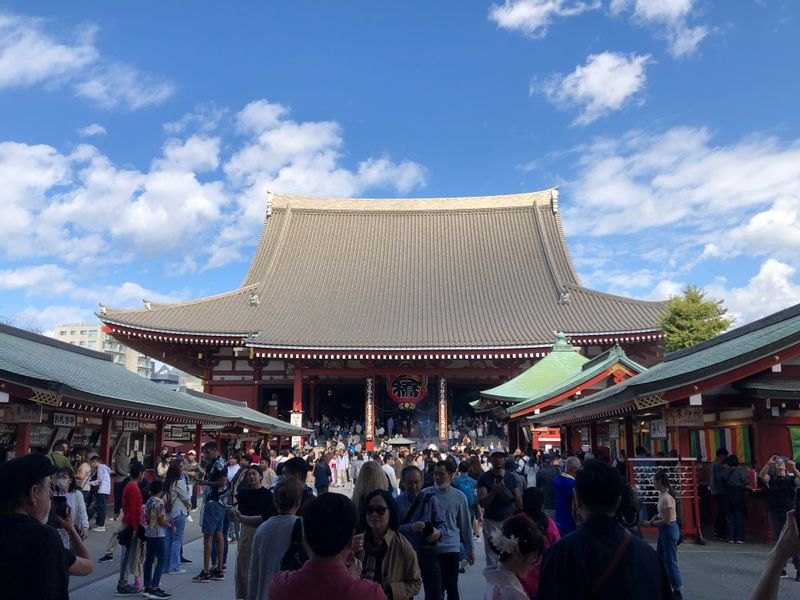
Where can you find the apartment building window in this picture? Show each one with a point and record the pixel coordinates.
(92, 344)
(82, 343)
(83, 332)
(93, 333)
(62, 333)
(72, 332)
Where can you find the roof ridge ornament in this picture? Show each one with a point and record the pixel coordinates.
(254, 300)
(563, 297)
(269, 203)
(554, 200)
(147, 304)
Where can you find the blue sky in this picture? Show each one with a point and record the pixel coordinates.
(137, 140)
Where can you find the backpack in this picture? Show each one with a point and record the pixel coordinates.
(296, 555)
(467, 487)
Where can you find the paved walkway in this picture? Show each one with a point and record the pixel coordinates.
(717, 571)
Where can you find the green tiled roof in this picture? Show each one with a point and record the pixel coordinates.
(563, 362)
(590, 369)
(721, 354)
(82, 374)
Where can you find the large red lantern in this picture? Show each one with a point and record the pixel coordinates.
(406, 389)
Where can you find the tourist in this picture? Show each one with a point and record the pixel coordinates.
(177, 502)
(322, 476)
(101, 482)
(387, 557)
(155, 535)
(422, 523)
(371, 477)
(717, 490)
(67, 488)
(735, 484)
(122, 466)
(500, 498)
(33, 560)
(550, 469)
(458, 528)
(58, 455)
(621, 464)
(272, 539)
(532, 500)
(194, 472)
(342, 468)
(162, 466)
(563, 487)
(388, 468)
(518, 545)
(466, 484)
(782, 479)
(328, 526)
(252, 498)
(528, 467)
(621, 565)
(131, 517)
(512, 467)
(83, 478)
(269, 475)
(214, 485)
(787, 546)
(669, 533)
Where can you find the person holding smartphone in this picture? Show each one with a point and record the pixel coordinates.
(782, 479)
(500, 498)
(68, 498)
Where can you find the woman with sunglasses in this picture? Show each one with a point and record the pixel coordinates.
(387, 557)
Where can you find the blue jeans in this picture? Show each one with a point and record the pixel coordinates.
(735, 519)
(225, 525)
(667, 549)
(175, 543)
(100, 516)
(156, 550)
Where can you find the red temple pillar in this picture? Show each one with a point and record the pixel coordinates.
(297, 404)
(369, 414)
(198, 440)
(23, 439)
(593, 437)
(629, 445)
(443, 411)
(312, 400)
(105, 440)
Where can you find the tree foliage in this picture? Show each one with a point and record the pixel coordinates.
(692, 318)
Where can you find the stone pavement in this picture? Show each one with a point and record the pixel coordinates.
(717, 571)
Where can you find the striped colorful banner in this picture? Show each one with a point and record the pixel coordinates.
(736, 440)
(672, 439)
(658, 445)
(794, 438)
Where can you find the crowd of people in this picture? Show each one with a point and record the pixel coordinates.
(550, 526)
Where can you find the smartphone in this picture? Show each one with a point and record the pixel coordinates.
(59, 506)
(428, 529)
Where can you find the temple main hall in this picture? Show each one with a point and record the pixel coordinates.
(369, 308)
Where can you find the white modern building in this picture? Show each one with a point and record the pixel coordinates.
(92, 336)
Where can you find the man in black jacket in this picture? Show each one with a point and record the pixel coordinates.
(601, 559)
(544, 481)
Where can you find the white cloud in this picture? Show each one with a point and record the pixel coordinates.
(608, 82)
(669, 18)
(772, 289)
(533, 17)
(47, 318)
(91, 130)
(115, 84)
(774, 231)
(127, 295)
(38, 279)
(665, 289)
(681, 179)
(30, 54)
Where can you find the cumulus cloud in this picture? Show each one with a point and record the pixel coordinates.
(32, 52)
(774, 287)
(607, 82)
(92, 130)
(46, 318)
(533, 17)
(669, 18)
(37, 279)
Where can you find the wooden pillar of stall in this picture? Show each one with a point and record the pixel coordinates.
(593, 436)
(23, 439)
(198, 440)
(312, 400)
(629, 445)
(158, 442)
(105, 440)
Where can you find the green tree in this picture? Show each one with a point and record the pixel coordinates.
(692, 318)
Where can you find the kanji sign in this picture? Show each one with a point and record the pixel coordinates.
(407, 388)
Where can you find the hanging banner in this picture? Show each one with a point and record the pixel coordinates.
(613, 430)
(703, 443)
(794, 438)
(296, 419)
(407, 388)
(130, 425)
(17, 413)
(442, 410)
(369, 410)
(64, 420)
(658, 429)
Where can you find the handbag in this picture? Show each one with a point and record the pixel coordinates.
(296, 555)
(125, 536)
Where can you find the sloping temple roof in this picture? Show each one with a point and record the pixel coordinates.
(442, 273)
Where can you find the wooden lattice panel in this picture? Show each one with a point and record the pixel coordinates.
(44, 397)
(650, 401)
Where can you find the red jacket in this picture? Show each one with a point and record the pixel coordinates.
(132, 505)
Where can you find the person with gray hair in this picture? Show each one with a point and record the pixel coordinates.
(563, 490)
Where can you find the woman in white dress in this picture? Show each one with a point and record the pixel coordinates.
(519, 543)
(67, 486)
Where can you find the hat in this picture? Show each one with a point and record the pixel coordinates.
(191, 452)
(498, 451)
(19, 474)
(93, 455)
